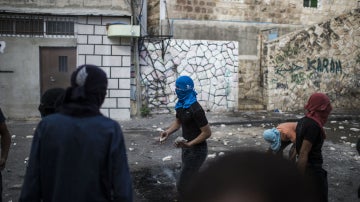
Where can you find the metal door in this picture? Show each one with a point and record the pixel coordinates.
(56, 67)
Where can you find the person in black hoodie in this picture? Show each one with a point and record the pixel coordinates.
(79, 155)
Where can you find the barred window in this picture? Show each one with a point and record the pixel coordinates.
(60, 28)
(311, 3)
(29, 26)
(35, 25)
(63, 64)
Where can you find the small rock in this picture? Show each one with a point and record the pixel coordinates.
(221, 153)
(343, 137)
(131, 149)
(29, 136)
(211, 156)
(222, 125)
(355, 129)
(230, 134)
(159, 129)
(353, 145)
(333, 121)
(13, 136)
(341, 127)
(167, 158)
(258, 143)
(332, 149)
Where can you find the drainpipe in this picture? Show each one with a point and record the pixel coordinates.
(135, 42)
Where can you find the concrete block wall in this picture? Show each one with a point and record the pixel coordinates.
(113, 55)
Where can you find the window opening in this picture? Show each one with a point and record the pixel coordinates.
(59, 28)
(34, 25)
(311, 3)
(63, 67)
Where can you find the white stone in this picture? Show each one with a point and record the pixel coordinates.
(355, 129)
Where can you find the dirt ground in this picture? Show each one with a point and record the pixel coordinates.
(155, 166)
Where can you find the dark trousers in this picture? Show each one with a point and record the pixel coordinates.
(192, 159)
(319, 177)
(1, 187)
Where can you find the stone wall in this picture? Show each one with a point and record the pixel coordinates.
(213, 65)
(322, 58)
(275, 11)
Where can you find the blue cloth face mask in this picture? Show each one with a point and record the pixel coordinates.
(185, 92)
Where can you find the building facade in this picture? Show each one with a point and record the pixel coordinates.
(43, 41)
(253, 24)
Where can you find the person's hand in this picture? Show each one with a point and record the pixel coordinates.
(182, 144)
(2, 163)
(163, 136)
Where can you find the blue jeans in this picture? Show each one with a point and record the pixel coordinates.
(192, 159)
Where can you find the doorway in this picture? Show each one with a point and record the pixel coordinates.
(56, 67)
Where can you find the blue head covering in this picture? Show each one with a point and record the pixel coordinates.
(185, 92)
(273, 137)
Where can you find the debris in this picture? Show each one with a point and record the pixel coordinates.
(154, 126)
(162, 139)
(248, 125)
(13, 136)
(14, 143)
(353, 145)
(355, 129)
(159, 129)
(29, 136)
(332, 149)
(225, 142)
(343, 137)
(180, 139)
(211, 156)
(333, 121)
(221, 154)
(230, 133)
(258, 143)
(131, 149)
(341, 127)
(222, 125)
(167, 158)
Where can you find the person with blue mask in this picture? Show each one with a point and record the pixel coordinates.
(190, 116)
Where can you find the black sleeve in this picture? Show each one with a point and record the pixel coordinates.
(200, 118)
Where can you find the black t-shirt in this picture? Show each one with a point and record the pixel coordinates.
(192, 119)
(2, 117)
(309, 130)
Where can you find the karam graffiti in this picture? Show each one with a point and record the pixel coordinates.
(298, 75)
(325, 65)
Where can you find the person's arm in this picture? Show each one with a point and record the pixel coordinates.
(205, 134)
(174, 126)
(5, 144)
(303, 155)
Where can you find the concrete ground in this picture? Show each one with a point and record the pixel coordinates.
(155, 166)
